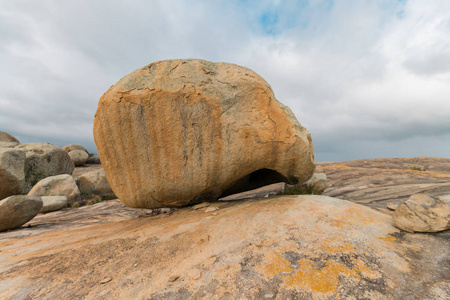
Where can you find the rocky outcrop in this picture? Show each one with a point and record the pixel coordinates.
(287, 247)
(422, 213)
(17, 210)
(181, 131)
(78, 157)
(6, 137)
(53, 203)
(94, 182)
(59, 185)
(44, 160)
(12, 175)
(386, 181)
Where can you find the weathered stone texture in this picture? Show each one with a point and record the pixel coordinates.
(17, 210)
(44, 160)
(12, 175)
(182, 131)
(59, 185)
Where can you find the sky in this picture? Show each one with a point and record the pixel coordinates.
(367, 78)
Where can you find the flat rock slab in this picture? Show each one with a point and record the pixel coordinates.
(378, 182)
(285, 247)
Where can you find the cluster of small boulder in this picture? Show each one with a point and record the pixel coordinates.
(37, 178)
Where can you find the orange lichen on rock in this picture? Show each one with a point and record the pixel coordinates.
(275, 264)
(324, 280)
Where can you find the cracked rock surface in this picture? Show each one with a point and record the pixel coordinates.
(177, 132)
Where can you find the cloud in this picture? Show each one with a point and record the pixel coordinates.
(360, 75)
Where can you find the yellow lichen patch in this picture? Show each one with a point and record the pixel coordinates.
(324, 281)
(336, 223)
(334, 246)
(274, 264)
(389, 239)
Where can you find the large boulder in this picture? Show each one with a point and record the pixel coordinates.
(6, 137)
(78, 157)
(17, 210)
(12, 175)
(59, 185)
(422, 213)
(44, 160)
(183, 131)
(94, 182)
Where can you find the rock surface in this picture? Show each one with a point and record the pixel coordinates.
(182, 131)
(53, 203)
(422, 213)
(320, 248)
(17, 210)
(12, 174)
(78, 157)
(59, 185)
(6, 137)
(379, 182)
(94, 182)
(44, 160)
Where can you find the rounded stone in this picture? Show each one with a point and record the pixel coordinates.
(17, 210)
(184, 131)
(78, 157)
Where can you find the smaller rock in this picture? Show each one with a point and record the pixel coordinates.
(174, 278)
(145, 213)
(78, 157)
(44, 160)
(392, 206)
(94, 182)
(164, 210)
(17, 210)
(422, 213)
(59, 185)
(53, 203)
(201, 205)
(6, 137)
(105, 280)
(268, 296)
(211, 208)
(73, 147)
